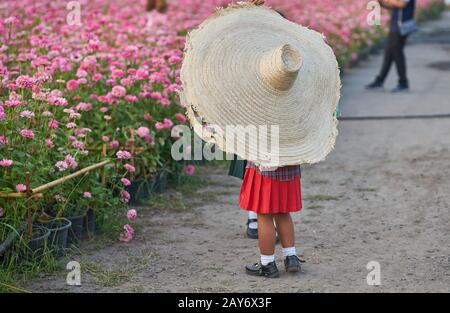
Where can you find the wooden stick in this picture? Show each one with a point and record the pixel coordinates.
(138, 149)
(104, 151)
(15, 195)
(73, 175)
(132, 132)
(37, 192)
(30, 215)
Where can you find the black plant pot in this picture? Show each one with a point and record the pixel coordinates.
(88, 225)
(76, 230)
(59, 230)
(140, 190)
(160, 181)
(38, 241)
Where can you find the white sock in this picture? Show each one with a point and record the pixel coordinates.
(252, 216)
(289, 251)
(266, 259)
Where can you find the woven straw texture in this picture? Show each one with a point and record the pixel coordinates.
(247, 66)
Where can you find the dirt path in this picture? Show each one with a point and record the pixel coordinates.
(382, 195)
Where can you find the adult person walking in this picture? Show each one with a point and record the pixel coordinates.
(401, 25)
(158, 5)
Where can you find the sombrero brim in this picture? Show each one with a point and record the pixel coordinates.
(228, 81)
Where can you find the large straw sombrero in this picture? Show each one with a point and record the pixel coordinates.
(247, 66)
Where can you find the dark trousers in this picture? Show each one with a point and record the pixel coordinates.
(394, 53)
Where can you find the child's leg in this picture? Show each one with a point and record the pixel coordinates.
(285, 228)
(253, 216)
(266, 234)
(266, 238)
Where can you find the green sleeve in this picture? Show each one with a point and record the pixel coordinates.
(237, 168)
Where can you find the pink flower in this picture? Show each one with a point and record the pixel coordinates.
(156, 95)
(141, 74)
(125, 181)
(118, 91)
(61, 166)
(128, 234)
(72, 84)
(174, 60)
(70, 160)
(27, 133)
(114, 144)
(49, 143)
(105, 138)
(53, 124)
(143, 132)
(130, 168)
(125, 196)
(131, 99)
(3, 140)
(2, 114)
(117, 73)
(123, 155)
(25, 81)
(132, 215)
(21, 188)
(26, 114)
(159, 126)
(76, 144)
(167, 123)
(81, 73)
(84, 106)
(87, 195)
(147, 117)
(181, 118)
(6, 163)
(97, 77)
(189, 170)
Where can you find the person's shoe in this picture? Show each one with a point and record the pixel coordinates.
(400, 88)
(270, 270)
(252, 233)
(292, 264)
(375, 85)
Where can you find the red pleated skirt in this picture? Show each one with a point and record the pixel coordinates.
(264, 195)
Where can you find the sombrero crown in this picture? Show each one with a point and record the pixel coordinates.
(247, 66)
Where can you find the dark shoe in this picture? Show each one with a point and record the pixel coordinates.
(292, 264)
(252, 233)
(375, 85)
(400, 88)
(270, 270)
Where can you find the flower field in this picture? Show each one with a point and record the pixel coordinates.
(78, 89)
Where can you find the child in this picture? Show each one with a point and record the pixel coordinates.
(273, 194)
(294, 84)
